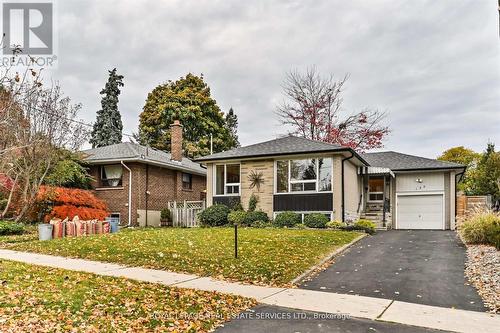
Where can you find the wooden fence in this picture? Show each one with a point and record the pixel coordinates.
(468, 204)
(185, 213)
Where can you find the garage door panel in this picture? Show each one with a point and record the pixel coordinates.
(420, 212)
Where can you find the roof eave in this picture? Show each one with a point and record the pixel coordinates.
(146, 161)
(433, 168)
(228, 158)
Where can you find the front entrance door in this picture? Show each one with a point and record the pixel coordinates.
(376, 189)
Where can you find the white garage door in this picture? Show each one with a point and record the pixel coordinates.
(420, 212)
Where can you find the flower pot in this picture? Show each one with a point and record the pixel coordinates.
(166, 223)
(45, 231)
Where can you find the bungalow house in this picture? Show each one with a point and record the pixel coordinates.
(295, 174)
(137, 182)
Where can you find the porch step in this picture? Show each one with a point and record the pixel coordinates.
(372, 217)
(373, 213)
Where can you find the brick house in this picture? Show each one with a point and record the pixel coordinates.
(137, 182)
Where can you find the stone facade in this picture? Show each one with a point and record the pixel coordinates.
(266, 191)
(162, 184)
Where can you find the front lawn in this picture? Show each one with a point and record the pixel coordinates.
(266, 256)
(40, 299)
(30, 234)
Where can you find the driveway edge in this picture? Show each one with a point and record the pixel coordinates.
(328, 257)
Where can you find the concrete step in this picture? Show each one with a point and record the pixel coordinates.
(372, 217)
(371, 213)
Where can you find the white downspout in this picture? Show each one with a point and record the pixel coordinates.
(129, 193)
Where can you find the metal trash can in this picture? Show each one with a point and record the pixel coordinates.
(45, 231)
(113, 224)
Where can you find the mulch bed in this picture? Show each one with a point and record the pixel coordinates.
(483, 271)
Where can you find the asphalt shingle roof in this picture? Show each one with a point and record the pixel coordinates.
(400, 162)
(282, 146)
(127, 151)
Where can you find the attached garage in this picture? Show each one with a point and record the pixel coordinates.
(420, 211)
(421, 200)
(421, 193)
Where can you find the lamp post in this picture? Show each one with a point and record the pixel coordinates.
(236, 241)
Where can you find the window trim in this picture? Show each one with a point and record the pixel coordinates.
(190, 181)
(377, 193)
(103, 182)
(290, 181)
(214, 173)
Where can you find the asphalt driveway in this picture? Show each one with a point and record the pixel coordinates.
(417, 266)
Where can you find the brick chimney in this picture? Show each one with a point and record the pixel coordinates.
(176, 141)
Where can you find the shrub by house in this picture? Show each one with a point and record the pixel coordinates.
(59, 202)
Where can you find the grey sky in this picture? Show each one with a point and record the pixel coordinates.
(432, 65)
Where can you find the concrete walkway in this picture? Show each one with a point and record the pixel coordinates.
(309, 300)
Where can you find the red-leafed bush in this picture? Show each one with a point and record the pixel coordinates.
(59, 202)
(70, 211)
(71, 196)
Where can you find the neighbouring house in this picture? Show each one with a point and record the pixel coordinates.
(137, 182)
(392, 189)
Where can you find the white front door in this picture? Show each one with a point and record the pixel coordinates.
(422, 211)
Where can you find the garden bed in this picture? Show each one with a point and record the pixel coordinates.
(268, 256)
(40, 299)
(482, 269)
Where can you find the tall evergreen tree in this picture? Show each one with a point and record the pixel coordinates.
(232, 126)
(108, 127)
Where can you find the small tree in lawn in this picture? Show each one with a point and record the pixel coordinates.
(313, 108)
(108, 126)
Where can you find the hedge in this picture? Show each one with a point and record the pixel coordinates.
(214, 216)
(287, 219)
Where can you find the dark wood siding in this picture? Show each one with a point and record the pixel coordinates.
(304, 202)
(228, 201)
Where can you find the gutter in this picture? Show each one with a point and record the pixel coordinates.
(426, 169)
(207, 159)
(342, 182)
(129, 193)
(150, 162)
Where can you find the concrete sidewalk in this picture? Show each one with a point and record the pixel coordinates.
(309, 300)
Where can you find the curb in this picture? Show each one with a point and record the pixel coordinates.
(328, 257)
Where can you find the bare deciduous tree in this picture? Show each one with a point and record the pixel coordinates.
(313, 108)
(36, 122)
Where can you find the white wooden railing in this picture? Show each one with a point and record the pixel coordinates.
(185, 213)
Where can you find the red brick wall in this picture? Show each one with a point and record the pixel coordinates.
(163, 184)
